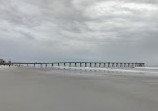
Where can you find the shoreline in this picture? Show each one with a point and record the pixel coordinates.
(143, 71)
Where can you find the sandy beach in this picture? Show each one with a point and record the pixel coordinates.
(29, 89)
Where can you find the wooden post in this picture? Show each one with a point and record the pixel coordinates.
(75, 64)
(120, 64)
(112, 64)
(70, 64)
(52, 65)
(135, 64)
(90, 64)
(104, 64)
(124, 64)
(108, 64)
(85, 64)
(64, 64)
(116, 64)
(99, 64)
(41, 65)
(132, 65)
(95, 64)
(128, 64)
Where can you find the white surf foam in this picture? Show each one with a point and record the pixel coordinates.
(148, 72)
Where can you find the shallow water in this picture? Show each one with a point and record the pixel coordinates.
(51, 89)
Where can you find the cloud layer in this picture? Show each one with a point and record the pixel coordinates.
(79, 30)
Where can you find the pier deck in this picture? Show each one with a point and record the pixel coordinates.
(81, 64)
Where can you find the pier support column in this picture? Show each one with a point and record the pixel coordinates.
(80, 64)
(112, 64)
(41, 65)
(99, 64)
(70, 64)
(104, 64)
(85, 64)
(128, 64)
(58, 64)
(132, 65)
(64, 64)
(108, 64)
(34, 65)
(27, 65)
(142, 65)
(95, 64)
(137, 65)
(52, 65)
(124, 64)
(75, 64)
(116, 64)
(46, 65)
(120, 64)
(90, 64)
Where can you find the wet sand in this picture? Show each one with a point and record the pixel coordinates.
(28, 89)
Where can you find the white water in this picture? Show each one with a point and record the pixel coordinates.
(145, 71)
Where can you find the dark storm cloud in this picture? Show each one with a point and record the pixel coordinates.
(89, 30)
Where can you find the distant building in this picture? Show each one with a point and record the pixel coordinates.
(2, 62)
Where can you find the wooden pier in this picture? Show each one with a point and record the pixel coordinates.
(81, 64)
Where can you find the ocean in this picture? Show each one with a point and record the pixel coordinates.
(78, 89)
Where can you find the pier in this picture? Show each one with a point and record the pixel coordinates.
(81, 64)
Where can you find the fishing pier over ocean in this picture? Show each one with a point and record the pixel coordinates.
(78, 64)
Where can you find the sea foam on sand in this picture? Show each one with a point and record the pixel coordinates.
(86, 89)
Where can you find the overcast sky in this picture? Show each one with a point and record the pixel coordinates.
(79, 30)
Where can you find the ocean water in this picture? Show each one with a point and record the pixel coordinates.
(151, 71)
(78, 89)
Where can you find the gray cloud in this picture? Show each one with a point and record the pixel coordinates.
(81, 30)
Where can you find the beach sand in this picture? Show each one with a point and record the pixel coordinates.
(29, 89)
